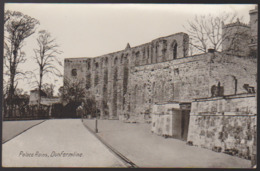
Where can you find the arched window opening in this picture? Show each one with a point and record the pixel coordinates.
(74, 72)
(144, 94)
(122, 59)
(143, 53)
(89, 66)
(135, 95)
(115, 61)
(137, 54)
(175, 51)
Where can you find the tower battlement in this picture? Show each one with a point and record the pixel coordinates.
(237, 23)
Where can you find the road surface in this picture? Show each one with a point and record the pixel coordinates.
(145, 149)
(58, 143)
(14, 128)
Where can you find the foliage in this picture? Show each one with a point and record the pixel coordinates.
(48, 89)
(72, 91)
(17, 27)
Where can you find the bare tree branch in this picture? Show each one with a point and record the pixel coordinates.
(206, 31)
(46, 57)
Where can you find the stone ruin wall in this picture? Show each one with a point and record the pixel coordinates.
(112, 78)
(233, 73)
(227, 123)
(185, 79)
(240, 38)
(254, 27)
(107, 76)
(224, 124)
(178, 80)
(236, 38)
(124, 87)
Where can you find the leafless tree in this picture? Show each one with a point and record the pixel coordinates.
(206, 31)
(46, 57)
(17, 27)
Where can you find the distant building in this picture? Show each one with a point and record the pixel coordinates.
(34, 96)
(48, 101)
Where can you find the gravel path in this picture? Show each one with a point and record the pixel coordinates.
(145, 149)
(57, 143)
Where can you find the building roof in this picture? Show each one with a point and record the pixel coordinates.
(42, 92)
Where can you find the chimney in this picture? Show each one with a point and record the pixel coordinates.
(211, 50)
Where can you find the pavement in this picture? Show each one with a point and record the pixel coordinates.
(58, 143)
(145, 149)
(10, 129)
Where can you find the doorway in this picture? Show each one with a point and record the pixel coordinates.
(180, 123)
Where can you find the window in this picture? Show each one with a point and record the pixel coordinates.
(125, 59)
(115, 61)
(175, 51)
(89, 66)
(122, 58)
(88, 81)
(74, 72)
(176, 71)
(137, 54)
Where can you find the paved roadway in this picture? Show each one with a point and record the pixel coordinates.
(14, 128)
(58, 143)
(145, 149)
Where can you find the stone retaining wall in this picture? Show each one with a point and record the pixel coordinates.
(231, 132)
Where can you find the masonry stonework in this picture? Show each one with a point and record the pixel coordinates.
(207, 99)
(224, 124)
(108, 77)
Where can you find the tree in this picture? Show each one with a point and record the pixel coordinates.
(206, 32)
(17, 28)
(7, 16)
(48, 89)
(60, 91)
(45, 56)
(73, 91)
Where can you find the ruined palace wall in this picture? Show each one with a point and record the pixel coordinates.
(236, 38)
(178, 80)
(79, 65)
(107, 76)
(233, 73)
(224, 124)
(131, 80)
(185, 79)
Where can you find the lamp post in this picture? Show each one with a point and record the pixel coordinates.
(96, 129)
(96, 106)
(96, 125)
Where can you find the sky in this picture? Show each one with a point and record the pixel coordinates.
(90, 30)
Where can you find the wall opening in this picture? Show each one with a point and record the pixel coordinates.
(115, 93)
(175, 51)
(125, 83)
